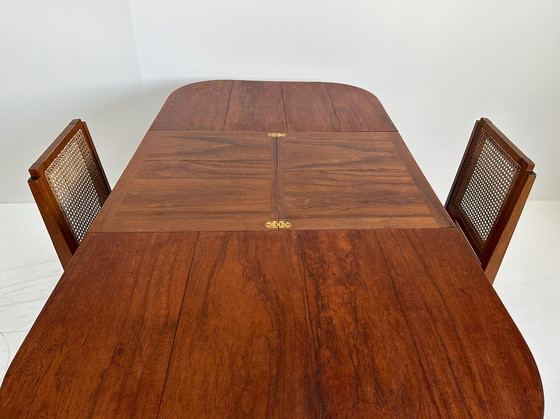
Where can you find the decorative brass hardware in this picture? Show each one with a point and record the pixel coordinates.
(278, 224)
(276, 134)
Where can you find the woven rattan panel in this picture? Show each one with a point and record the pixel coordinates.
(489, 176)
(77, 185)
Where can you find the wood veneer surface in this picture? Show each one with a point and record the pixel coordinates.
(232, 105)
(370, 323)
(195, 181)
(101, 345)
(238, 181)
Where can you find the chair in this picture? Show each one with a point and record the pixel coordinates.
(489, 193)
(69, 186)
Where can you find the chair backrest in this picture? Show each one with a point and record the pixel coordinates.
(489, 193)
(69, 186)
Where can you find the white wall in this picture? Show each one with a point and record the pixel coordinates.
(60, 60)
(436, 66)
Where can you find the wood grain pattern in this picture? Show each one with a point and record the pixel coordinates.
(357, 109)
(234, 181)
(256, 107)
(262, 106)
(195, 181)
(353, 180)
(243, 345)
(195, 196)
(340, 151)
(101, 346)
(367, 366)
(421, 182)
(407, 325)
(475, 359)
(371, 323)
(309, 107)
(333, 107)
(206, 146)
(197, 106)
(357, 199)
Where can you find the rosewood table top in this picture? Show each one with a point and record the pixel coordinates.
(273, 250)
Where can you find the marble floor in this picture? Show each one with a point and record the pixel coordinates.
(528, 284)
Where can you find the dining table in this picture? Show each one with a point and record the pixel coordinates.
(273, 250)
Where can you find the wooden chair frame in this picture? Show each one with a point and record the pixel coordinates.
(61, 233)
(500, 235)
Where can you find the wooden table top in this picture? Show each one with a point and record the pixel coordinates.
(180, 302)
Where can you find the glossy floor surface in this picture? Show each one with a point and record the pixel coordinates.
(528, 284)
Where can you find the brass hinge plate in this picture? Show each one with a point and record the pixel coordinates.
(276, 134)
(278, 224)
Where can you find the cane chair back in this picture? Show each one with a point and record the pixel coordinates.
(69, 187)
(489, 193)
